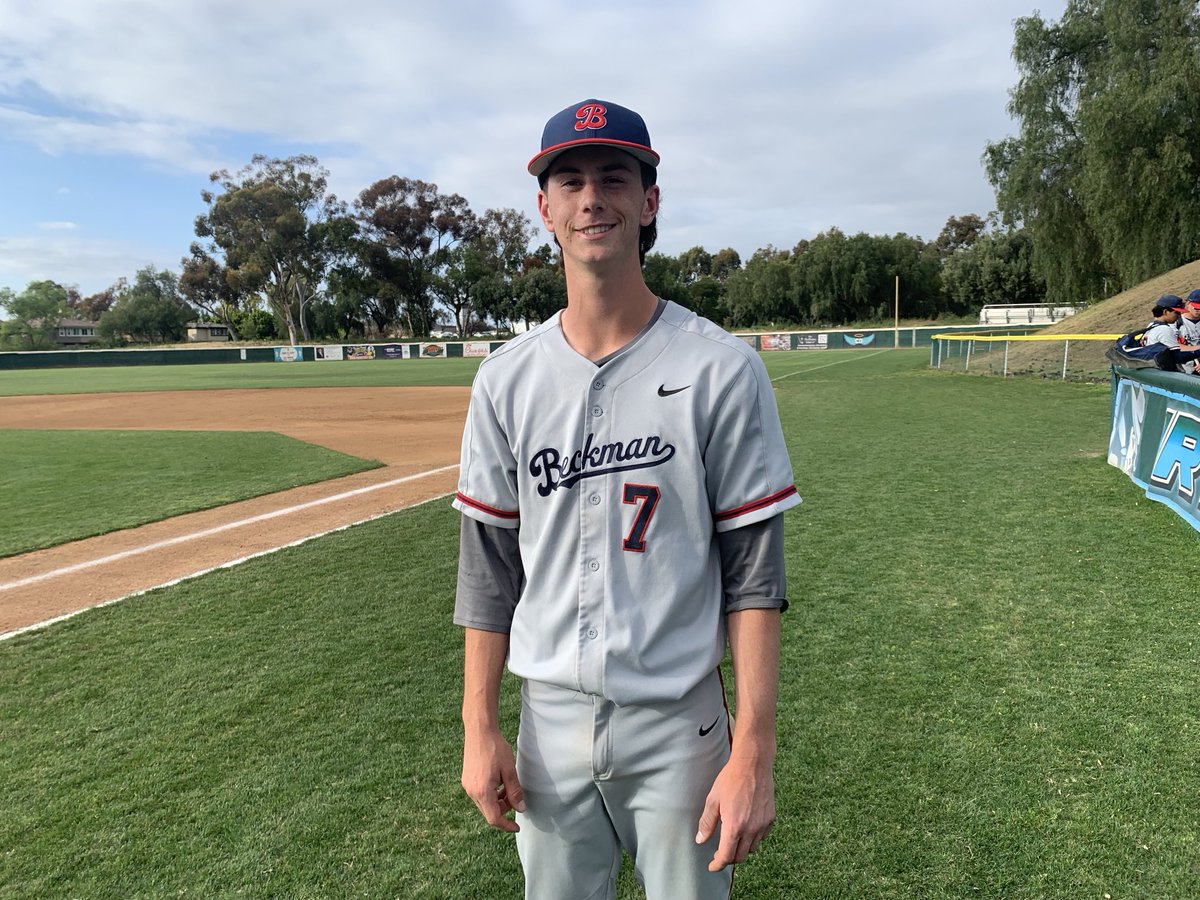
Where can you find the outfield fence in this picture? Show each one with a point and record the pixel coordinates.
(810, 340)
(1065, 356)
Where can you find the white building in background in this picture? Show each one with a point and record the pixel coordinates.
(1024, 314)
(72, 332)
(207, 331)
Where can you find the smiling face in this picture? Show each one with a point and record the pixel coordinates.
(594, 203)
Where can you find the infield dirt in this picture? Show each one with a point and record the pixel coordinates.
(414, 432)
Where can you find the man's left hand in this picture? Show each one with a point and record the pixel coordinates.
(742, 800)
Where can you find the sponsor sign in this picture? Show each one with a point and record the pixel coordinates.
(1155, 440)
(812, 342)
(392, 351)
(859, 339)
(431, 351)
(360, 351)
(289, 354)
(476, 348)
(334, 352)
(775, 341)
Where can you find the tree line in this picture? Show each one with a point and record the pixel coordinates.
(277, 257)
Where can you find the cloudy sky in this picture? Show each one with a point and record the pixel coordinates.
(776, 119)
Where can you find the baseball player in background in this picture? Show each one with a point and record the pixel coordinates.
(622, 483)
(1189, 326)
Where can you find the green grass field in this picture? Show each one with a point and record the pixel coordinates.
(988, 688)
(59, 486)
(211, 376)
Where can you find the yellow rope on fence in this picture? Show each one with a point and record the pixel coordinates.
(1026, 337)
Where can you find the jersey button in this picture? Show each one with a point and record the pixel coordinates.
(597, 411)
(594, 566)
(595, 498)
(598, 385)
(592, 633)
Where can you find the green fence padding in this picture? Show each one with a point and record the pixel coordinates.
(1154, 436)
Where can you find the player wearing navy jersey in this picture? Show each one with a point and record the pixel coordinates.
(623, 475)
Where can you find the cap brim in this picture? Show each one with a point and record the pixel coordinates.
(542, 161)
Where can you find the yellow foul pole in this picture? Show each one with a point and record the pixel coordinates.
(896, 339)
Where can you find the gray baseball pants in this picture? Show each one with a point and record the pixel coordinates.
(600, 777)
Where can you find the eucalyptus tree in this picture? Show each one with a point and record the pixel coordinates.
(150, 310)
(407, 230)
(270, 222)
(205, 282)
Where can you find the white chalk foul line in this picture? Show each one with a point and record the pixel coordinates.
(225, 565)
(838, 362)
(208, 532)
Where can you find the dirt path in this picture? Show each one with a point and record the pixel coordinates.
(415, 432)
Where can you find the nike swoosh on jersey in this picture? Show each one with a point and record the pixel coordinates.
(704, 731)
(663, 392)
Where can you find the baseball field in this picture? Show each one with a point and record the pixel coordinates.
(990, 665)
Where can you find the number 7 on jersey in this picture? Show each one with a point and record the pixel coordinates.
(645, 496)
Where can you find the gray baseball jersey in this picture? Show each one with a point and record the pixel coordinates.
(1189, 331)
(618, 478)
(1164, 333)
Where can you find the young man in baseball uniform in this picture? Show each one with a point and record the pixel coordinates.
(623, 475)
(1189, 326)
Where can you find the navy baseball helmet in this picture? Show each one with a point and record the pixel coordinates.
(593, 122)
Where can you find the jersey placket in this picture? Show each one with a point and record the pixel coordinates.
(593, 544)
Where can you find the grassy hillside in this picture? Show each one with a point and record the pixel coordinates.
(1118, 314)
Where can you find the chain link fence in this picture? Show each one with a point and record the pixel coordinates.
(1078, 357)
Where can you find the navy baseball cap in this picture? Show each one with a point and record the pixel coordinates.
(593, 122)
(1169, 301)
(1194, 297)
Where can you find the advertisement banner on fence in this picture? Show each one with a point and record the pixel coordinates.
(360, 351)
(331, 352)
(393, 351)
(1155, 440)
(289, 354)
(775, 341)
(432, 351)
(812, 342)
(476, 348)
(859, 339)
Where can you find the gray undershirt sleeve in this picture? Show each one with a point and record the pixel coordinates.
(490, 576)
(752, 568)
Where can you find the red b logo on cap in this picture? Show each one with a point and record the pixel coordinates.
(590, 116)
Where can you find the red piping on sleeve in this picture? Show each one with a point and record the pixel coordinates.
(756, 504)
(483, 507)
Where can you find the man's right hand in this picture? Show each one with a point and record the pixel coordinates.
(489, 776)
